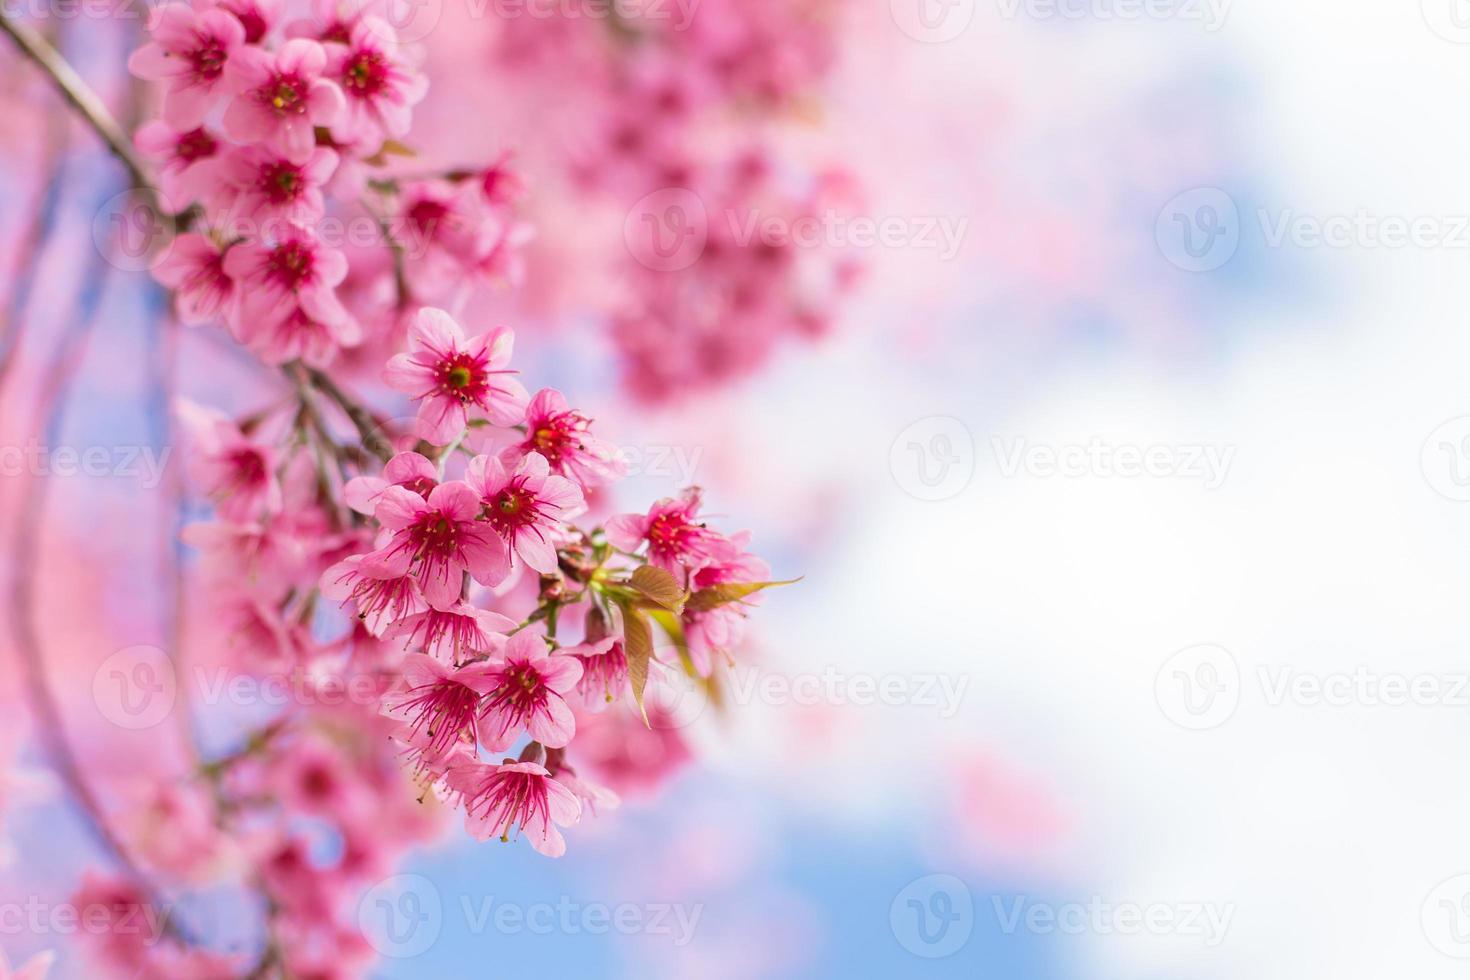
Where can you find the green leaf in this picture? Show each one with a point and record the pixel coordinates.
(659, 586)
(718, 595)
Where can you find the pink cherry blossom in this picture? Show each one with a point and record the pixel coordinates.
(451, 377)
(280, 98)
(718, 630)
(562, 435)
(271, 187)
(258, 17)
(604, 671)
(454, 633)
(410, 470)
(274, 280)
(516, 797)
(188, 160)
(234, 470)
(382, 597)
(299, 337)
(380, 89)
(191, 51)
(675, 536)
(437, 540)
(525, 505)
(527, 694)
(440, 703)
(194, 269)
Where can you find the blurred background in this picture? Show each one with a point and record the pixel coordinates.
(1129, 483)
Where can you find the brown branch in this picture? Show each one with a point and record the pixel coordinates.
(81, 97)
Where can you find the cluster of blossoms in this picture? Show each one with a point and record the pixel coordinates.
(455, 617)
(692, 97)
(275, 147)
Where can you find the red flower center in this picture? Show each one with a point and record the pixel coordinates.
(513, 508)
(207, 61)
(196, 144)
(366, 74)
(281, 182)
(463, 377)
(434, 535)
(285, 95)
(290, 264)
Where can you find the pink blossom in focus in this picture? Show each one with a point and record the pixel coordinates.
(516, 797)
(451, 377)
(527, 694)
(525, 505)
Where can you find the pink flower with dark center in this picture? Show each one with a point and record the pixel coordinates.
(281, 98)
(525, 506)
(382, 597)
(195, 270)
(516, 796)
(275, 279)
(379, 87)
(453, 634)
(453, 378)
(501, 184)
(527, 694)
(299, 336)
(437, 540)
(444, 233)
(561, 434)
(235, 471)
(190, 50)
(188, 161)
(676, 538)
(272, 187)
(408, 470)
(604, 671)
(440, 704)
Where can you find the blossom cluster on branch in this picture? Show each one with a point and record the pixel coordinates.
(464, 622)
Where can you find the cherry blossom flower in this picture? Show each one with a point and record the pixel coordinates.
(525, 505)
(675, 536)
(194, 269)
(516, 797)
(604, 671)
(188, 160)
(410, 470)
(379, 87)
(450, 634)
(438, 540)
(273, 187)
(234, 470)
(382, 596)
(299, 336)
(527, 694)
(561, 434)
(440, 702)
(281, 97)
(451, 377)
(258, 17)
(275, 279)
(720, 629)
(190, 50)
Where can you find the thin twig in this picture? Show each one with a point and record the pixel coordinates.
(82, 98)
